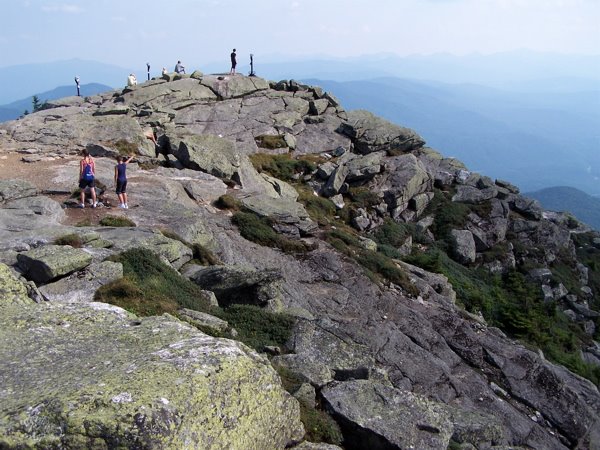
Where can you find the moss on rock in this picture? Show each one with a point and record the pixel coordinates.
(95, 376)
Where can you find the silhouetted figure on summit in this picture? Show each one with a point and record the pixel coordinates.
(233, 62)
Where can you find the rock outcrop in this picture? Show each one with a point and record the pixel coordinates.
(91, 375)
(384, 346)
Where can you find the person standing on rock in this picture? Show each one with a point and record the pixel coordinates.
(233, 62)
(179, 68)
(121, 180)
(87, 178)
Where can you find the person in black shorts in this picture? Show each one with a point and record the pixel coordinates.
(233, 63)
(121, 180)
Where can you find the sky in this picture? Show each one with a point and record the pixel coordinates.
(132, 32)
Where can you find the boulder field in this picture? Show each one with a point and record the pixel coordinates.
(395, 359)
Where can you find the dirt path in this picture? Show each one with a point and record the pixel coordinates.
(42, 174)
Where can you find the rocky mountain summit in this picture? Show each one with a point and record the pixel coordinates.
(408, 302)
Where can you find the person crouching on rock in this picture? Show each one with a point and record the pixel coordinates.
(87, 171)
(121, 180)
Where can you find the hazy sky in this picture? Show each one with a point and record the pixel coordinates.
(131, 32)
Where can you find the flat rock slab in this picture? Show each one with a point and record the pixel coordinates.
(46, 263)
(94, 376)
(385, 417)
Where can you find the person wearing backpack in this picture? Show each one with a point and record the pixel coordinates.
(87, 171)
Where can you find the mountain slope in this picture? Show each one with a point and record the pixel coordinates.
(15, 109)
(407, 283)
(535, 139)
(26, 79)
(563, 198)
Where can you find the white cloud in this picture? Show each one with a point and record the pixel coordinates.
(63, 8)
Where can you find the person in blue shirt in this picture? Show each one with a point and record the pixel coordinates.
(121, 180)
(179, 68)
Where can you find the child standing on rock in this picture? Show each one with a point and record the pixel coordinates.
(121, 180)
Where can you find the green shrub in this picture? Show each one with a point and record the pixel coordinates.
(321, 210)
(270, 141)
(257, 327)
(382, 266)
(515, 305)
(150, 286)
(320, 426)
(73, 239)
(125, 148)
(228, 202)
(116, 221)
(448, 215)
(283, 167)
(391, 233)
(259, 230)
(363, 197)
(204, 256)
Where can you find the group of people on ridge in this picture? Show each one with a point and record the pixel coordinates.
(180, 69)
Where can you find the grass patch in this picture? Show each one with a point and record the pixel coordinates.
(259, 230)
(228, 202)
(125, 148)
(116, 221)
(257, 327)
(378, 265)
(84, 223)
(270, 141)
(319, 426)
(448, 215)
(283, 167)
(321, 210)
(204, 256)
(150, 287)
(200, 254)
(363, 197)
(72, 239)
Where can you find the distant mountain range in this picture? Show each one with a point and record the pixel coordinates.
(533, 139)
(15, 109)
(563, 198)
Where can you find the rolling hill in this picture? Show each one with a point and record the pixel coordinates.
(563, 198)
(15, 109)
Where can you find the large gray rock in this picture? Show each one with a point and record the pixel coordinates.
(12, 290)
(172, 251)
(378, 416)
(235, 86)
(208, 153)
(81, 286)
(52, 261)
(238, 284)
(282, 210)
(463, 246)
(139, 382)
(403, 179)
(14, 189)
(371, 134)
